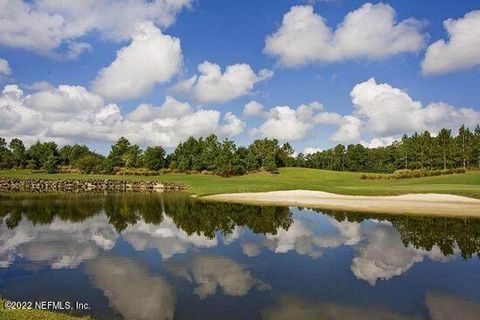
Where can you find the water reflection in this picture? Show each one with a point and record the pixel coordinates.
(156, 256)
(212, 272)
(131, 289)
(296, 308)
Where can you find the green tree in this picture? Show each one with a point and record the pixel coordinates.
(44, 155)
(225, 160)
(51, 164)
(117, 154)
(91, 163)
(266, 153)
(5, 155)
(477, 144)
(209, 149)
(154, 158)
(69, 154)
(464, 145)
(188, 155)
(19, 155)
(445, 142)
(133, 157)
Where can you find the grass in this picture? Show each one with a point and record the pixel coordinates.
(467, 184)
(8, 314)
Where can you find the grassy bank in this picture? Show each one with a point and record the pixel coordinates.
(467, 184)
(8, 314)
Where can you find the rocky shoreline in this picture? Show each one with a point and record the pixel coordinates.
(89, 185)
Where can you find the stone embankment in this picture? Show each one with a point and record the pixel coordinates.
(90, 185)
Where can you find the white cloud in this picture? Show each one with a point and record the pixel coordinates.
(212, 272)
(131, 289)
(233, 126)
(384, 111)
(462, 49)
(171, 108)
(252, 109)
(348, 131)
(72, 113)
(151, 58)
(5, 68)
(285, 123)
(378, 142)
(370, 32)
(53, 27)
(310, 150)
(213, 86)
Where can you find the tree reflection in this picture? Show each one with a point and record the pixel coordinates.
(207, 218)
(193, 216)
(426, 232)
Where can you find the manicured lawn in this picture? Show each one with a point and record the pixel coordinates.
(296, 178)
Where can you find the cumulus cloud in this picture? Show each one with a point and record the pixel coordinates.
(283, 123)
(131, 289)
(233, 125)
(287, 123)
(385, 111)
(462, 49)
(311, 150)
(213, 86)
(252, 109)
(370, 32)
(54, 28)
(380, 114)
(72, 113)
(212, 272)
(5, 68)
(151, 58)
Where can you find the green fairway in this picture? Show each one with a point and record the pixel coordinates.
(295, 178)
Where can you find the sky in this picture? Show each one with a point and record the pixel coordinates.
(313, 73)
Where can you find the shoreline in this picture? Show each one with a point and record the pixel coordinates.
(428, 204)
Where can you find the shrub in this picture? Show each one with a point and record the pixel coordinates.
(90, 164)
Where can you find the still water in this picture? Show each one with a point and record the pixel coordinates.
(151, 256)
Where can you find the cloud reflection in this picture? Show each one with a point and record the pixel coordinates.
(61, 244)
(212, 272)
(166, 237)
(131, 289)
(379, 252)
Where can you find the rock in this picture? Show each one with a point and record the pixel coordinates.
(89, 185)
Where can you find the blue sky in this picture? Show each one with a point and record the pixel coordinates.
(400, 97)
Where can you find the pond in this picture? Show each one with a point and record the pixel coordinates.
(165, 256)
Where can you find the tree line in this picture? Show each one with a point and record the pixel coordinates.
(417, 151)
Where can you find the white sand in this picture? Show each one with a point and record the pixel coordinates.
(424, 204)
